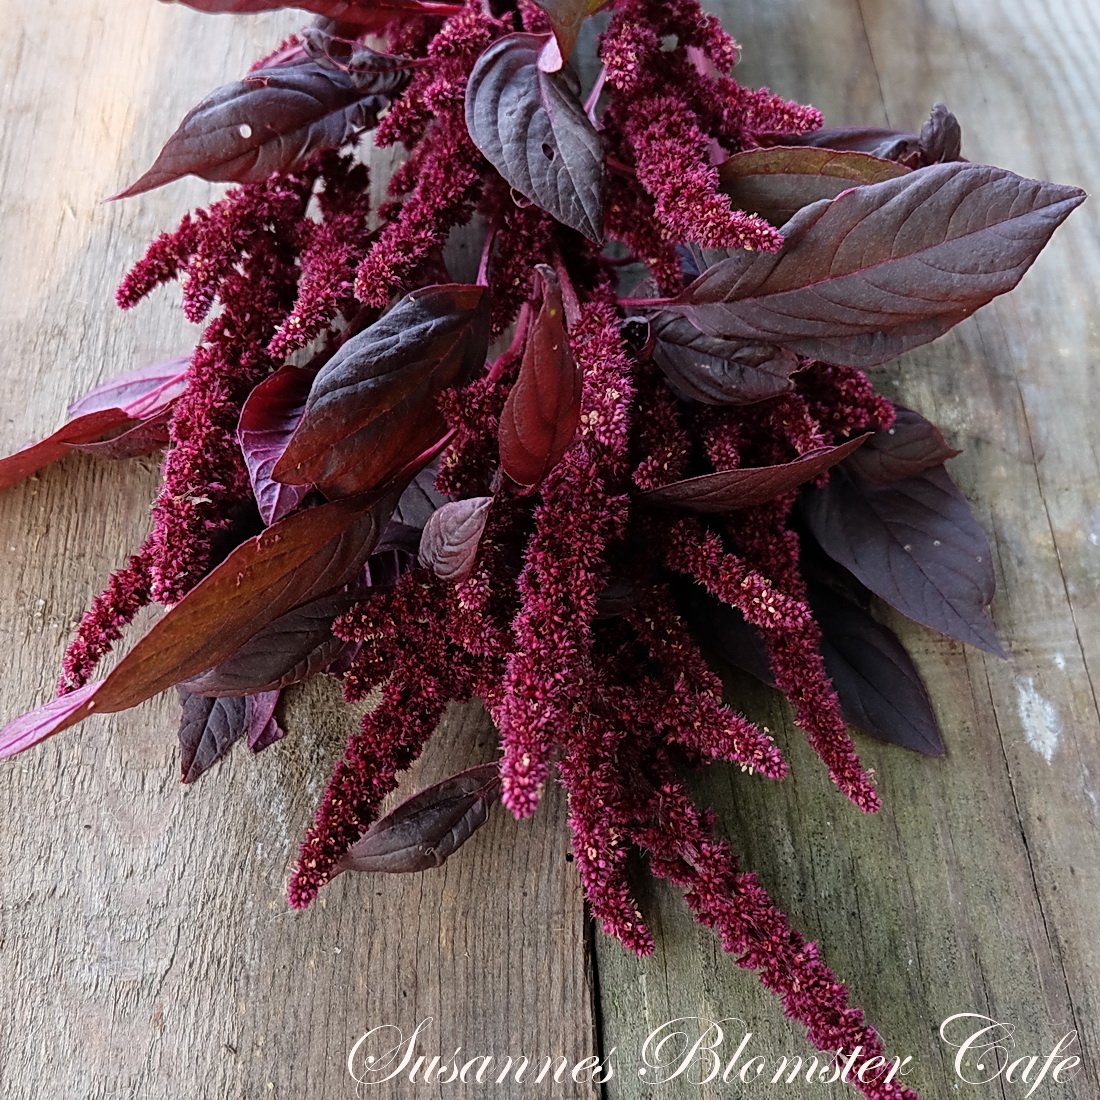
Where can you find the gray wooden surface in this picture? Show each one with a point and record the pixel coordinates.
(146, 950)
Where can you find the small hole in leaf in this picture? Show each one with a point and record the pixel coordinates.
(547, 151)
(244, 130)
(568, 857)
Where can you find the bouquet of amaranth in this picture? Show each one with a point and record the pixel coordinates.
(637, 434)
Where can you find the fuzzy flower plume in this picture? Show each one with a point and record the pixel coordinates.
(573, 605)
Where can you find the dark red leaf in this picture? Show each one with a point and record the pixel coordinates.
(532, 127)
(291, 649)
(420, 499)
(263, 727)
(373, 406)
(884, 267)
(567, 17)
(449, 544)
(777, 182)
(895, 145)
(106, 411)
(144, 438)
(427, 828)
(293, 562)
(270, 121)
(50, 718)
(326, 44)
(267, 422)
(543, 409)
(908, 448)
(209, 728)
(879, 687)
(368, 14)
(916, 544)
(140, 394)
(716, 371)
(729, 490)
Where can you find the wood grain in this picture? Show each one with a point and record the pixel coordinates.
(146, 947)
(146, 950)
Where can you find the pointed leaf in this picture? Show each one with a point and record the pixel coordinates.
(374, 406)
(427, 828)
(714, 371)
(911, 446)
(263, 727)
(884, 267)
(895, 145)
(879, 687)
(916, 544)
(145, 437)
(44, 721)
(532, 127)
(268, 420)
(449, 544)
(270, 121)
(729, 490)
(209, 728)
(111, 409)
(287, 651)
(543, 409)
(777, 182)
(293, 562)
(326, 44)
(567, 17)
(140, 394)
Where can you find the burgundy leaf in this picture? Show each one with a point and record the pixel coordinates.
(729, 490)
(44, 721)
(895, 145)
(714, 371)
(140, 394)
(420, 499)
(566, 18)
(543, 409)
(270, 121)
(777, 182)
(916, 544)
(427, 828)
(209, 728)
(908, 448)
(327, 45)
(84, 429)
(110, 409)
(373, 406)
(449, 544)
(368, 14)
(884, 267)
(263, 727)
(144, 438)
(293, 562)
(287, 651)
(267, 422)
(940, 137)
(879, 687)
(533, 129)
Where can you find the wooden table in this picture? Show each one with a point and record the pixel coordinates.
(146, 949)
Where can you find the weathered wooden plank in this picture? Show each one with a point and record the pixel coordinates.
(146, 948)
(978, 887)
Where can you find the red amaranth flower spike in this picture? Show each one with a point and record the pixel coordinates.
(547, 488)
